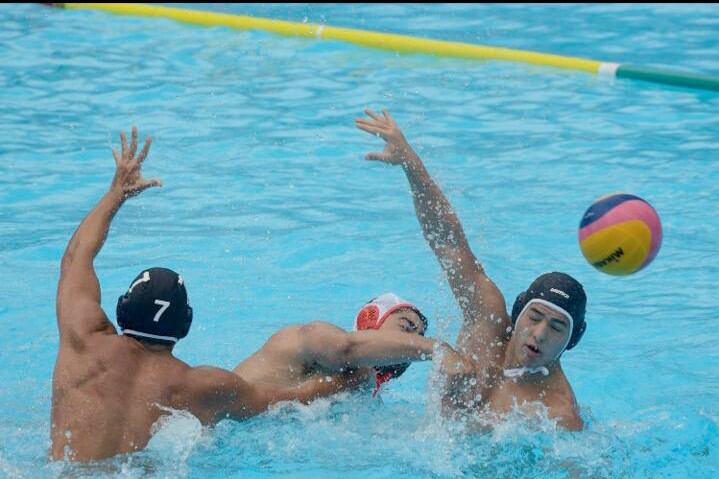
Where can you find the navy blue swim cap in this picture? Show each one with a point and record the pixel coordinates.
(564, 293)
(155, 307)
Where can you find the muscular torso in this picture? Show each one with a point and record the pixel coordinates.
(107, 395)
(279, 362)
(496, 395)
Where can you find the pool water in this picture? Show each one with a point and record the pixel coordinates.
(273, 217)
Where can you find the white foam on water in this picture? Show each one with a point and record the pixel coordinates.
(8, 470)
(175, 434)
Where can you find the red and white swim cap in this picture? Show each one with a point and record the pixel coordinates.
(372, 316)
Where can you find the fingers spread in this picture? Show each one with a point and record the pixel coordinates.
(151, 183)
(362, 121)
(123, 141)
(133, 143)
(116, 155)
(388, 117)
(141, 186)
(373, 115)
(371, 128)
(376, 156)
(145, 149)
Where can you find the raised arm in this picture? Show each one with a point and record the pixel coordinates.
(482, 304)
(78, 294)
(334, 348)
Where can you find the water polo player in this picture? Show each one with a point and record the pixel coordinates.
(388, 335)
(517, 358)
(109, 389)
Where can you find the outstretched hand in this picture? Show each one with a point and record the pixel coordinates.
(128, 178)
(396, 151)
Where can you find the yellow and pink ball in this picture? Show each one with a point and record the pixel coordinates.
(620, 234)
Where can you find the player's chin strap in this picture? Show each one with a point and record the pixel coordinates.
(519, 372)
(381, 378)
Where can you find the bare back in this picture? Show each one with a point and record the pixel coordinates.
(107, 396)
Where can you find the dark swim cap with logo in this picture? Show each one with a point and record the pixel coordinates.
(155, 307)
(564, 293)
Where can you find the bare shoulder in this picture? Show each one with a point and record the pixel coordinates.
(485, 325)
(318, 327)
(290, 336)
(97, 360)
(208, 378)
(320, 338)
(299, 334)
(206, 390)
(86, 321)
(564, 408)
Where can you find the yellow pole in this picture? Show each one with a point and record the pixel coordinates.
(384, 41)
(405, 44)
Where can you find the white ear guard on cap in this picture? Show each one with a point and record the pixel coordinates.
(373, 314)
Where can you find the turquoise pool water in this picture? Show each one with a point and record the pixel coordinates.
(273, 217)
